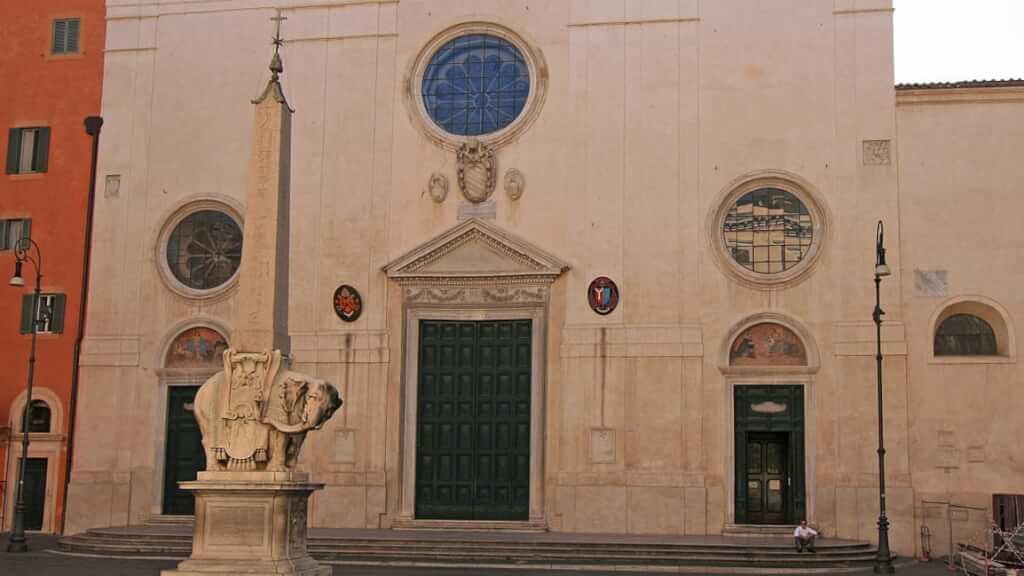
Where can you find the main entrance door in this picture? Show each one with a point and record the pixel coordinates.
(769, 454)
(185, 454)
(473, 420)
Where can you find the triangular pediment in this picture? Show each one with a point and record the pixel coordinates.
(475, 250)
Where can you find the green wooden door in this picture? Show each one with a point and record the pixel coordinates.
(766, 478)
(769, 436)
(473, 420)
(185, 455)
(35, 492)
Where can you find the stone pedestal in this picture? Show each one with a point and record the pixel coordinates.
(250, 523)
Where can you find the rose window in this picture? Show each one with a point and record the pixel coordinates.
(205, 249)
(476, 84)
(768, 230)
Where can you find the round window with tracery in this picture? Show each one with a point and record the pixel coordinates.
(768, 230)
(475, 84)
(205, 249)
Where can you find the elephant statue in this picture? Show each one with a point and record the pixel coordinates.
(255, 416)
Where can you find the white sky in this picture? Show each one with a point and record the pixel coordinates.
(945, 40)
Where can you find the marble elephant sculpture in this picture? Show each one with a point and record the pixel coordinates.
(303, 403)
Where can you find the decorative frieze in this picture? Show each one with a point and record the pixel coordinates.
(476, 294)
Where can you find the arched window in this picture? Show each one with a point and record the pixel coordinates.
(965, 335)
(39, 417)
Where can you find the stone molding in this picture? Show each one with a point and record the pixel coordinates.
(412, 82)
(792, 183)
(633, 341)
(858, 338)
(978, 95)
(110, 351)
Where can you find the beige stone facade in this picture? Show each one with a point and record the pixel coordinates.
(646, 121)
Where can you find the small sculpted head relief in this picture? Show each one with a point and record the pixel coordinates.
(438, 187)
(515, 184)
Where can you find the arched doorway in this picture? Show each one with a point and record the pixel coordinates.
(192, 356)
(767, 366)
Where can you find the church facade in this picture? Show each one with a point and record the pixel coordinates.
(583, 266)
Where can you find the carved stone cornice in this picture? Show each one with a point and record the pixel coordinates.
(476, 254)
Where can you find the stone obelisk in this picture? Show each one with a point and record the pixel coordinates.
(251, 504)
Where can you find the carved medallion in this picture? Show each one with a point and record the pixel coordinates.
(515, 183)
(348, 304)
(603, 295)
(438, 187)
(476, 167)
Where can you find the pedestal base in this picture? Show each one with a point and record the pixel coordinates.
(250, 523)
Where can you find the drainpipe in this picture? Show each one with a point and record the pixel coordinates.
(92, 128)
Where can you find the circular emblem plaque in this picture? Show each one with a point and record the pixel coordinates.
(348, 304)
(603, 295)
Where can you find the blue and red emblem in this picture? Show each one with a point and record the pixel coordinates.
(603, 295)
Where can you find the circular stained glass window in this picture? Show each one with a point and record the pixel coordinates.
(768, 230)
(205, 249)
(476, 84)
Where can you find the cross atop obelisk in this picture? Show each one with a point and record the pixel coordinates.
(262, 321)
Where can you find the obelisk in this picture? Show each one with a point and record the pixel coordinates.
(251, 502)
(262, 320)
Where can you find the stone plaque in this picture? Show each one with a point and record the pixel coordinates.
(235, 525)
(931, 283)
(602, 445)
(877, 152)
(113, 186)
(486, 210)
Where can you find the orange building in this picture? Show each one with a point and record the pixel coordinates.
(51, 71)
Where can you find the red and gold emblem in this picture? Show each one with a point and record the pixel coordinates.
(348, 304)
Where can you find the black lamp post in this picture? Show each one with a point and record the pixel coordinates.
(883, 563)
(22, 254)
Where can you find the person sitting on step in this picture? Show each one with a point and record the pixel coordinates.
(804, 536)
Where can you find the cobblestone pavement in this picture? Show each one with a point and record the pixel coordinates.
(40, 561)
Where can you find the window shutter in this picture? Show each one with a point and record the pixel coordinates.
(42, 149)
(4, 224)
(57, 320)
(26, 228)
(60, 30)
(13, 147)
(71, 43)
(26, 314)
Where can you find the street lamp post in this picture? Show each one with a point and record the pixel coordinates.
(23, 253)
(883, 563)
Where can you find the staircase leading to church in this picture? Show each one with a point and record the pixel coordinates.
(596, 552)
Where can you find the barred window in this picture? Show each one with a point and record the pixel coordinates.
(205, 249)
(965, 335)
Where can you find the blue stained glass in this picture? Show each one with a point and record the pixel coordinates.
(476, 84)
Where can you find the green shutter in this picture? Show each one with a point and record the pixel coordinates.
(60, 28)
(42, 149)
(13, 147)
(26, 314)
(26, 228)
(3, 235)
(57, 320)
(71, 44)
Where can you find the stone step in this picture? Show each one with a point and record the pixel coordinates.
(328, 543)
(464, 549)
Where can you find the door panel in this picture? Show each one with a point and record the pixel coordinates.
(185, 455)
(767, 482)
(35, 492)
(473, 437)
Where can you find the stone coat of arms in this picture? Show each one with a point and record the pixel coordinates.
(477, 171)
